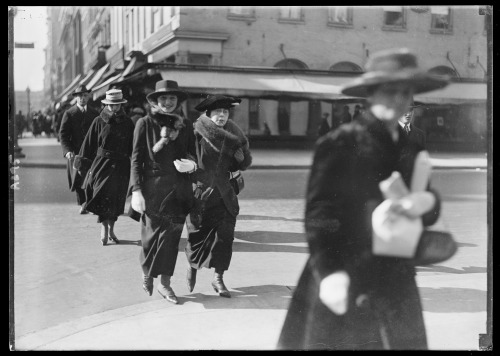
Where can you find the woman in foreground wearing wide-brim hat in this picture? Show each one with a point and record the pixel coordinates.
(349, 296)
(107, 148)
(222, 151)
(163, 157)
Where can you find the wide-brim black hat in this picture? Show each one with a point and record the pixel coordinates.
(164, 87)
(218, 102)
(81, 89)
(393, 66)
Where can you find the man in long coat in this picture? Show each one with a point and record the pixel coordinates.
(409, 133)
(348, 297)
(75, 123)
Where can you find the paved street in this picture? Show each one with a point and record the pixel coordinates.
(72, 293)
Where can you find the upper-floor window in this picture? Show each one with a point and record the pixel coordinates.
(242, 11)
(441, 19)
(156, 18)
(340, 16)
(394, 17)
(291, 14)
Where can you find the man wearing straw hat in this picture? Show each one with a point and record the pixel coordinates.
(75, 123)
(348, 296)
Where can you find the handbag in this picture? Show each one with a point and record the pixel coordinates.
(433, 247)
(237, 182)
(82, 164)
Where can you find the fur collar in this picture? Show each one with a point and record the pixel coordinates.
(169, 120)
(227, 139)
(107, 115)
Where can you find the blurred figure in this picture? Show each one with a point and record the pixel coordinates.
(20, 124)
(347, 297)
(106, 149)
(358, 112)
(136, 113)
(324, 126)
(409, 133)
(75, 123)
(346, 115)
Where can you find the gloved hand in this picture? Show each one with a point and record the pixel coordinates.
(413, 205)
(184, 165)
(138, 203)
(70, 155)
(334, 292)
(239, 155)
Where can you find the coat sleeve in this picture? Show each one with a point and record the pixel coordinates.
(91, 141)
(328, 192)
(139, 153)
(65, 134)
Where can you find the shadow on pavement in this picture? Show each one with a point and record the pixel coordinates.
(270, 236)
(262, 217)
(268, 296)
(453, 300)
(443, 269)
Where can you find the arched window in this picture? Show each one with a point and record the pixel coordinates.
(291, 63)
(443, 70)
(345, 67)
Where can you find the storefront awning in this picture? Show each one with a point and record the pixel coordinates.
(455, 93)
(265, 85)
(101, 89)
(97, 76)
(70, 87)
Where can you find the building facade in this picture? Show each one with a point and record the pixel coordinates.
(329, 41)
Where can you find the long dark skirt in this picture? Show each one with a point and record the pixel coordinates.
(211, 245)
(160, 236)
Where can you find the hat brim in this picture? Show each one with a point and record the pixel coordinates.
(213, 103)
(421, 82)
(104, 101)
(81, 92)
(153, 97)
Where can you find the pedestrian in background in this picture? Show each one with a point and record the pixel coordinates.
(136, 113)
(106, 149)
(324, 126)
(347, 297)
(20, 123)
(163, 157)
(222, 151)
(409, 133)
(75, 123)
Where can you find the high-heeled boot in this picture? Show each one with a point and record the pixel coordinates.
(218, 285)
(165, 290)
(147, 284)
(191, 278)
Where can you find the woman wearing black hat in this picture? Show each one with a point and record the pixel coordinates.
(221, 148)
(349, 296)
(106, 149)
(162, 159)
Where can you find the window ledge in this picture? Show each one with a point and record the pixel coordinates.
(241, 17)
(338, 24)
(394, 28)
(292, 21)
(440, 31)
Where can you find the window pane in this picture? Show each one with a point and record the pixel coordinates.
(338, 14)
(440, 10)
(290, 12)
(394, 18)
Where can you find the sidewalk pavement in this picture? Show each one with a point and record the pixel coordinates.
(50, 156)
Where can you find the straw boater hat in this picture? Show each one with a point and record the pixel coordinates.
(114, 96)
(393, 66)
(166, 87)
(81, 89)
(218, 102)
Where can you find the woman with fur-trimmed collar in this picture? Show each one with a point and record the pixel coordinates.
(162, 159)
(221, 148)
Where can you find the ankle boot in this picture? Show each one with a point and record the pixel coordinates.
(147, 284)
(165, 290)
(219, 287)
(191, 278)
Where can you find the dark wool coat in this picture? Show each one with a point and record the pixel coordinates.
(215, 152)
(74, 127)
(166, 191)
(342, 192)
(108, 144)
(416, 136)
